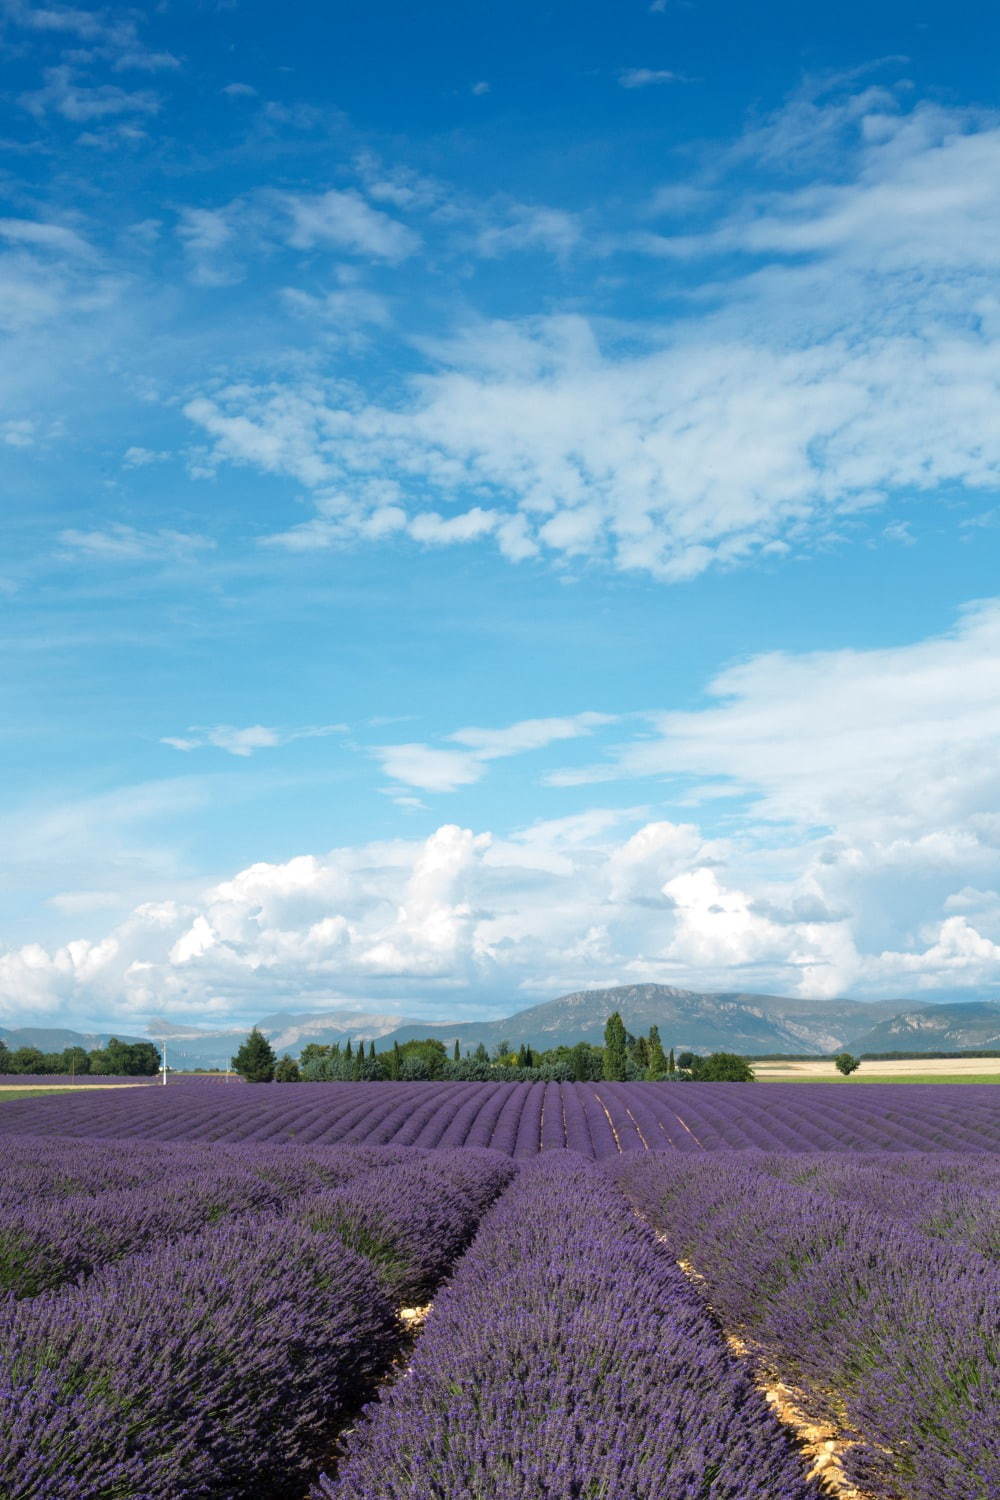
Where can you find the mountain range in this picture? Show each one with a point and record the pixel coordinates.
(730, 1021)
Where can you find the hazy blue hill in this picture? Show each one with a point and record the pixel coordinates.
(934, 1028)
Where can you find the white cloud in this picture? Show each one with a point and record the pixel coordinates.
(114, 40)
(882, 742)
(757, 428)
(344, 220)
(41, 236)
(119, 543)
(599, 898)
(140, 458)
(438, 770)
(529, 734)
(526, 227)
(431, 769)
(342, 310)
(243, 742)
(66, 96)
(640, 78)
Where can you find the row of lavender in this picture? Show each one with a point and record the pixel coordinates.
(599, 1120)
(568, 1358)
(862, 1290)
(216, 1360)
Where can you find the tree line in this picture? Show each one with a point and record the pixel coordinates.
(623, 1057)
(117, 1058)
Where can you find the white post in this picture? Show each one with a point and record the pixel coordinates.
(164, 1045)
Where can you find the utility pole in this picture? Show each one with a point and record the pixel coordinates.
(163, 1044)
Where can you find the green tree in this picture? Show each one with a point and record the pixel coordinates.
(615, 1048)
(723, 1067)
(75, 1060)
(118, 1057)
(846, 1064)
(457, 1052)
(481, 1054)
(255, 1059)
(314, 1052)
(286, 1070)
(26, 1060)
(687, 1060)
(671, 1064)
(657, 1065)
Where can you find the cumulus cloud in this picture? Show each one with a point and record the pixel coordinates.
(599, 898)
(859, 853)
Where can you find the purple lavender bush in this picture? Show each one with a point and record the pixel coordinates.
(888, 1332)
(214, 1366)
(43, 1245)
(411, 1219)
(568, 1358)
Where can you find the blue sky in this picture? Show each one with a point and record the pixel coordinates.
(497, 503)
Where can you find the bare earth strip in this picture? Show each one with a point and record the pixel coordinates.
(822, 1444)
(898, 1070)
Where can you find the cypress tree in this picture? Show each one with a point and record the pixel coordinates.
(457, 1053)
(657, 1062)
(255, 1059)
(615, 1048)
(671, 1065)
(348, 1050)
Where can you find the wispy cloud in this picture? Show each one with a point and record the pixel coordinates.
(65, 95)
(244, 742)
(757, 431)
(641, 78)
(119, 543)
(435, 769)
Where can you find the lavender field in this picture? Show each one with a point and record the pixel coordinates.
(428, 1292)
(600, 1120)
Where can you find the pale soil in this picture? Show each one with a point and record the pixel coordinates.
(822, 1069)
(822, 1444)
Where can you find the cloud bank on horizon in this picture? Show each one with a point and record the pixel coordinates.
(494, 532)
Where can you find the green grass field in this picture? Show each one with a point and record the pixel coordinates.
(909, 1078)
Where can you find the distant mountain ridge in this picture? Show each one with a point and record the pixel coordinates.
(702, 1021)
(969, 1024)
(730, 1021)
